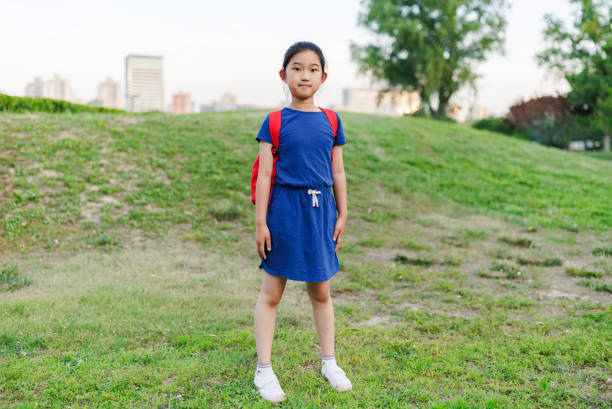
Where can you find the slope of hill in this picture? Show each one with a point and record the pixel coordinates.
(70, 180)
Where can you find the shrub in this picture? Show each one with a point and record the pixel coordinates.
(25, 104)
(538, 109)
(494, 124)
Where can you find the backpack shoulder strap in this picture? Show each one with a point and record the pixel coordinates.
(332, 118)
(275, 124)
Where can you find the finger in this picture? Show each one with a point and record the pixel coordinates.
(269, 241)
(338, 244)
(260, 250)
(336, 233)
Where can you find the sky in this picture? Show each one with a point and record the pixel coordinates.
(212, 47)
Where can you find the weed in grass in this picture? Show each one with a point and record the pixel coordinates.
(452, 260)
(225, 210)
(597, 285)
(371, 242)
(511, 271)
(502, 254)
(11, 279)
(411, 245)
(519, 242)
(602, 251)
(464, 237)
(548, 262)
(105, 241)
(579, 272)
(421, 260)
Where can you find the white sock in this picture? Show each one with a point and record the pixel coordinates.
(328, 360)
(263, 369)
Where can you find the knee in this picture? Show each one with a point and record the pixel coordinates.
(319, 295)
(271, 298)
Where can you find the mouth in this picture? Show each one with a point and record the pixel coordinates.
(304, 85)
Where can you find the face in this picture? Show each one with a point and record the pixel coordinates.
(304, 74)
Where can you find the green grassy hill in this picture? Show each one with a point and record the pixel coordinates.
(69, 180)
(476, 269)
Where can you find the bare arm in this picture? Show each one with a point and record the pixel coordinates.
(339, 194)
(262, 193)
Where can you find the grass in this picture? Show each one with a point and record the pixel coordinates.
(11, 279)
(579, 272)
(539, 262)
(135, 233)
(602, 251)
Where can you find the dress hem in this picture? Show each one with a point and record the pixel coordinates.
(289, 277)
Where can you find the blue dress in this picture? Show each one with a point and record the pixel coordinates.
(302, 212)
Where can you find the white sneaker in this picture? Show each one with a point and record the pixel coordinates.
(269, 387)
(336, 377)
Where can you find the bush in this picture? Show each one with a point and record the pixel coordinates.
(537, 109)
(550, 121)
(25, 104)
(548, 131)
(500, 125)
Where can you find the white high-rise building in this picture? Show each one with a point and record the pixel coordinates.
(144, 85)
(35, 89)
(109, 93)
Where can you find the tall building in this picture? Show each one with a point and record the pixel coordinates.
(144, 85)
(365, 100)
(55, 88)
(109, 93)
(182, 104)
(227, 102)
(35, 89)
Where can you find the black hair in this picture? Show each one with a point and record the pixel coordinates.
(301, 46)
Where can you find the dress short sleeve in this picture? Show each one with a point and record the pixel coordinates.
(264, 131)
(340, 138)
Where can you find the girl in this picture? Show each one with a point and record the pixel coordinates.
(299, 233)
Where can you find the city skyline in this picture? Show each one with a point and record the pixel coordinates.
(212, 50)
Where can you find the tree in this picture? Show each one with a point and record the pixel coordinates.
(603, 117)
(429, 46)
(583, 55)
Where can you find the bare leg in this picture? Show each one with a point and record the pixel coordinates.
(323, 310)
(272, 288)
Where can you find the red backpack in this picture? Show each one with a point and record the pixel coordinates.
(275, 125)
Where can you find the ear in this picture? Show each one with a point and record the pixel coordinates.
(323, 77)
(283, 75)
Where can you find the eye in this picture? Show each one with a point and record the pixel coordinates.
(296, 68)
(314, 69)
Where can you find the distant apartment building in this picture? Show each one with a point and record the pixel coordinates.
(479, 112)
(182, 103)
(227, 102)
(55, 88)
(109, 94)
(35, 89)
(365, 100)
(144, 85)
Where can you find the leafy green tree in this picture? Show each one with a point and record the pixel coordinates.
(583, 55)
(603, 117)
(429, 46)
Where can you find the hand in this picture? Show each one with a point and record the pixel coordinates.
(339, 231)
(262, 238)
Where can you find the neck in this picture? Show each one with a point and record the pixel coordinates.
(304, 105)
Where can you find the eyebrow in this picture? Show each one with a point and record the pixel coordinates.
(299, 63)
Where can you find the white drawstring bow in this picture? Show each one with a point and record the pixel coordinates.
(315, 198)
